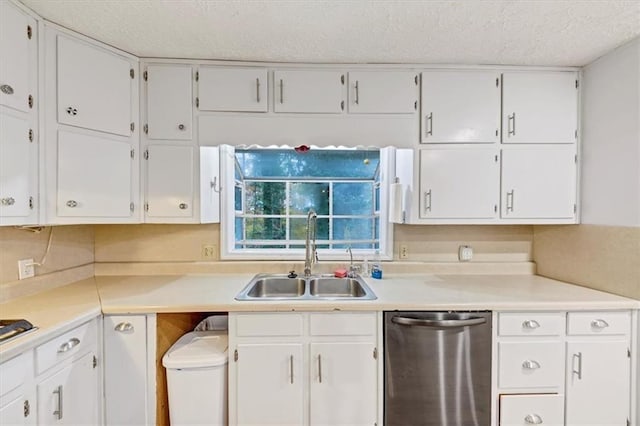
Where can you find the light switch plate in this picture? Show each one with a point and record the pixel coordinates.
(465, 253)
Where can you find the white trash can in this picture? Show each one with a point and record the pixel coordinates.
(197, 378)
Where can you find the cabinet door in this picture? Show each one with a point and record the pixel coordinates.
(460, 107)
(18, 411)
(18, 159)
(94, 88)
(209, 184)
(94, 176)
(309, 91)
(17, 395)
(169, 102)
(598, 382)
(170, 181)
(18, 46)
(270, 384)
(125, 370)
(539, 107)
(383, 92)
(232, 89)
(539, 182)
(70, 396)
(519, 410)
(343, 384)
(459, 183)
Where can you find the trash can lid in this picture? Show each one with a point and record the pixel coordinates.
(198, 349)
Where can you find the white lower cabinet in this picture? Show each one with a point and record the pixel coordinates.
(520, 410)
(129, 379)
(17, 393)
(303, 369)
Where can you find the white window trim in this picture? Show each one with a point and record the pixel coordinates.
(227, 217)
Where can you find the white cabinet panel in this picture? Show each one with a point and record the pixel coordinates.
(170, 181)
(383, 92)
(18, 159)
(94, 87)
(17, 398)
(521, 410)
(169, 102)
(598, 382)
(309, 91)
(18, 56)
(13, 412)
(460, 107)
(539, 107)
(530, 364)
(232, 89)
(459, 183)
(209, 184)
(598, 323)
(343, 384)
(94, 176)
(271, 380)
(538, 182)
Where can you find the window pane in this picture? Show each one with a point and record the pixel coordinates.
(298, 229)
(239, 228)
(260, 228)
(265, 197)
(305, 196)
(354, 246)
(352, 198)
(377, 197)
(238, 198)
(352, 229)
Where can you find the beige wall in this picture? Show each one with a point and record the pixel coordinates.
(605, 258)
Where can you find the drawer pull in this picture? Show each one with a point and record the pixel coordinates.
(6, 89)
(58, 412)
(9, 201)
(530, 364)
(533, 419)
(124, 327)
(531, 324)
(599, 324)
(291, 367)
(68, 345)
(578, 372)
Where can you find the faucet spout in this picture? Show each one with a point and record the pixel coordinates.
(310, 256)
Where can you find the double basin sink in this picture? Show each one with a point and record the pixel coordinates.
(315, 287)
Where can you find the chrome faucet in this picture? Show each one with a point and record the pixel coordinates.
(310, 255)
(353, 269)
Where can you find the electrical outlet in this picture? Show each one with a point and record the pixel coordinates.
(465, 253)
(26, 269)
(209, 251)
(404, 251)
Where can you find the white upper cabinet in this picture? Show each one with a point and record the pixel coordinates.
(169, 102)
(383, 92)
(460, 106)
(459, 183)
(309, 91)
(539, 107)
(18, 41)
(170, 188)
(94, 87)
(539, 182)
(232, 89)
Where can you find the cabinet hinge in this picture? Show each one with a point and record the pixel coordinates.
(95, 360)
(342, 79)
(415, 79)
(146, 207)
(132, 126)
(27, 408)
(497, 81)
(628, 422)
(575, 158)
(132, 207)
(628, 352)
(495, 158)
(133, 154)
(495, 208)
(576, 134)
(197, 75)
(146, 154)
(145, 75)
(375, 353)
(31, 203)
(415, 105)
(577, 83)
(235, 355)
(30, 101)
(342, 105)
(575, 208)
(145, 128)
(497, 131)
(29, 32)
(197, 102)
(30, 135)
(132, 73)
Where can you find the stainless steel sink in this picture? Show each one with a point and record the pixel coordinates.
(317, 287)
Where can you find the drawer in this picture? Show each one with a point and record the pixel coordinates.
(269, 325)
(343, 324)
(74, 342)
(520, 410)
(598, 323)
(530, 364)
(15, 372)
(531, 324)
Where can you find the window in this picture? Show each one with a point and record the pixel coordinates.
(265, 216)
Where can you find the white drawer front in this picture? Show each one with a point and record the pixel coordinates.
(530, 364)
(269, 325)
(74, 342)
(522, 410)
(598, 323)
(15, 372)
(531, 324)
(343, 324)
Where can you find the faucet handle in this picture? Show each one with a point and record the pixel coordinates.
(353, 270)
(292, 274)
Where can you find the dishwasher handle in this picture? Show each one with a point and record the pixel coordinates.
(447, 323)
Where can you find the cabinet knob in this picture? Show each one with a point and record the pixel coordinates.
(183, 206)
(531, 324)
(6, 89)
(533, 419)
(182, 126)
(72, 203)
(124, 327)
(530, 364)
(599, 324)
(9, 201)
(72, 111)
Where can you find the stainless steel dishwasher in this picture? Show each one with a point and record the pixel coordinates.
(437, 368)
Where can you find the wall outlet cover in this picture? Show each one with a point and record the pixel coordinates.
(404, 251)
(209, 251)
(26, 269)
(465, 253)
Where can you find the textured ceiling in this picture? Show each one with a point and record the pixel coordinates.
(516, 32)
